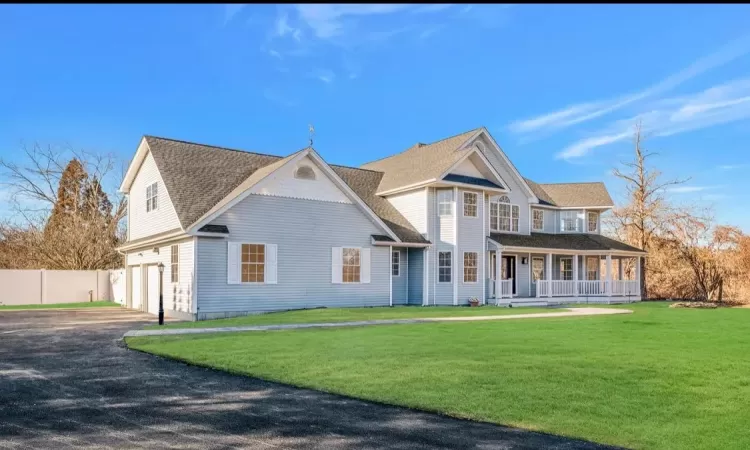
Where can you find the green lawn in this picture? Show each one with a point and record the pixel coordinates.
(61, 305)
(659, 378)
(354, 314)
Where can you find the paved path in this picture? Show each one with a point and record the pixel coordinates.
(77, 386)
(571, 312)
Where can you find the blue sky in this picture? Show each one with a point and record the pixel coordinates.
(559, 87)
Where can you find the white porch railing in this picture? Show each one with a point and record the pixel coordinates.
(586, 288)
(506, 288)
(625, 287)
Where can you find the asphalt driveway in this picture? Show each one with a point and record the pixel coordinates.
(66, 380)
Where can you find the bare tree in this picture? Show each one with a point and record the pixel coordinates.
(646, 208)
(87, 234)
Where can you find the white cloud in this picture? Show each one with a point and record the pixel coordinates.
(282, 28)
(275, 54)
(583, 112)
(327, 21)
(714, 106)
(426, 33)
(324, 75)
(732, 166)
(231, 10)
(435, 7)
(689, 189)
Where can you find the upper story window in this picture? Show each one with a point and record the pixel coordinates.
(503, 215)
(152, 197)
(445, 202)
(304, 173)
(537, 219)
(568, 221)
(470, 204)
(593, 219)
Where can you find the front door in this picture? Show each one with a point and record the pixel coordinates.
(508, 270)
(493, 272)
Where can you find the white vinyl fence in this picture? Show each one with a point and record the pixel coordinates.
(35, 287)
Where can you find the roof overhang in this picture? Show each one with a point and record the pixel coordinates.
(563, 251)
(562, 208)
(159, 239)
(135, 164)
(384, 243)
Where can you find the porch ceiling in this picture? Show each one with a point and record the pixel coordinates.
(573, 242)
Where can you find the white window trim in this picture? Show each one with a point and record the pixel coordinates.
(588, 221)
(463, 266)
(560, 268)
(360, 265)
(172, 264)
(397, 264)
(495, 226)
(533, 220)
(544, 268)
(441, 201)
(450, 261)
(265, 254)
(150, 196)
(476, 204)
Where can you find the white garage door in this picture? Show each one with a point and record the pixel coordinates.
(153, 289)
(135, 287)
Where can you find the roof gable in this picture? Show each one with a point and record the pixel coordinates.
(420, 163)
(572, 195)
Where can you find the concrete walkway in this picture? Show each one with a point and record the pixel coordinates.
(571, 312)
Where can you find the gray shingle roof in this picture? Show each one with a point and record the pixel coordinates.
(198, 177)
(420, 162)
(571, 194)
(562, 241)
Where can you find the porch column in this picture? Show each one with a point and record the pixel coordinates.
(549, 274)
(498, 261)
(575, 275)
(638, 273)
(620, 270)
(609, 275)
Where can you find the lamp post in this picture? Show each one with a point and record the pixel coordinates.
(161, 294)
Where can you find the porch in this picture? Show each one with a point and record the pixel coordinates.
(526, 276)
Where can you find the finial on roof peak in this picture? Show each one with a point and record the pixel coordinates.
(311, 131)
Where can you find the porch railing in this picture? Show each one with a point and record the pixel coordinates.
(585, 288)
(506, 288)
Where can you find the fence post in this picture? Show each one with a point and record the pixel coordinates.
(43, 284)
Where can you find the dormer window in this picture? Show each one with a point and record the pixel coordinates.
(304, 173)
(152, 197)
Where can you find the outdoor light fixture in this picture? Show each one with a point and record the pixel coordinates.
(524, 260)
(161, 296)
(156, 250)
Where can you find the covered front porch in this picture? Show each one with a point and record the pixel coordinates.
(546, 276)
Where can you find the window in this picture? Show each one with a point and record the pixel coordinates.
(470, 204)
(396, 263)
(537, 269)
(537, 222)
(445, 202)
(470, 267)
(592, 268)
(568, 221)
(566, 269)
(175, 250)
(253, 263)
(351, 265)
(593, 222)
(152, 196)
(445, 262)
(304, 173)
(503, 215)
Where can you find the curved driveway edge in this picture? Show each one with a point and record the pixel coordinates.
(79, 387)
(571, 312)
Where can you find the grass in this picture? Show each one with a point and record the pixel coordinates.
(659, 378)
(352, 315)
(99, 304)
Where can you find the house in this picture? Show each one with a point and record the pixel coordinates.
(437, 224)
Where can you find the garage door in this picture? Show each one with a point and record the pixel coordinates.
(135, 286)
(153, 290)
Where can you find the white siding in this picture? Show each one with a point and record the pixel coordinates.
(140, 222)
(177, 296)
(467, 168)
(282, 183)
(470, 239)
(412, 206)
(305, 231)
